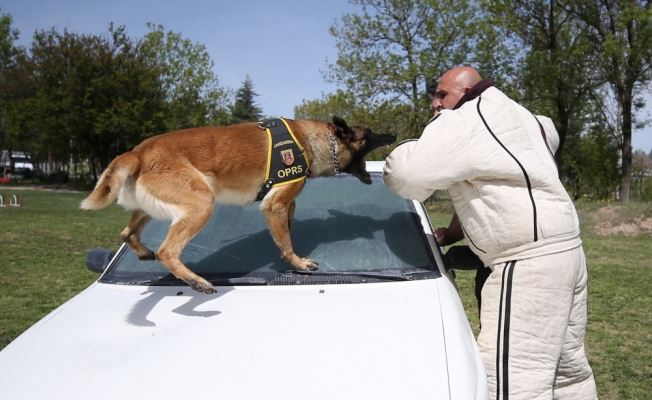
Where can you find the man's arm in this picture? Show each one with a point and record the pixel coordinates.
(437, 160)
(450, 235)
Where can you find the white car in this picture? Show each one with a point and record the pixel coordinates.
(380, 319)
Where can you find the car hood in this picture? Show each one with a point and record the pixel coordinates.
(382, 340)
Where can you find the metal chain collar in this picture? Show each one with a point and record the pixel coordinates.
(333, 143)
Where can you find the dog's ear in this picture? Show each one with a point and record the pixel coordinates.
(341, 126)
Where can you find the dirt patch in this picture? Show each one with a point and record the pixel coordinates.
(607, 213)
(612, 220)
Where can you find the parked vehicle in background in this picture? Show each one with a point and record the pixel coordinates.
(20, 174)
(20, 158)
(381, 318)
(22, 166)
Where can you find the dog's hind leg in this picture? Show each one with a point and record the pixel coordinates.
(191, 201)
(278, 207)
(183, 196)
(131, 235)
(181, 232)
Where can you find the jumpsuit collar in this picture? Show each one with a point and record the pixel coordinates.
(474, 92)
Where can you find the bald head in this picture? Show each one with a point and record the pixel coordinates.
(461, 76)
(452, 86)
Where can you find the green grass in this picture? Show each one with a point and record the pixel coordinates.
(619, 330)
(44, 244)
(620, 315)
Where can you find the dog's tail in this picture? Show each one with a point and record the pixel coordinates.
(111, 181)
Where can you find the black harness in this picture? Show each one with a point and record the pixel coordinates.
(286, 159)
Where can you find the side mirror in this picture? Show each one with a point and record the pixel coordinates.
(98, 259)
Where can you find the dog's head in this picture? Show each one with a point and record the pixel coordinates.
(359, 141)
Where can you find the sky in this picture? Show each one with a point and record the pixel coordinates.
(281, 45)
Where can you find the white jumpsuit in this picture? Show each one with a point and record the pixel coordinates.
(491, 156)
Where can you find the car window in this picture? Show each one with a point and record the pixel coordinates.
(339, 222)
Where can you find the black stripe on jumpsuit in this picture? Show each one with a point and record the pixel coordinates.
(470, 240)
(527, 178)
(503, 331)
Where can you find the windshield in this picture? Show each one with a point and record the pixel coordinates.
(342, 224)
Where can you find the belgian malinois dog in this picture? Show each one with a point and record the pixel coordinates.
(179, 176)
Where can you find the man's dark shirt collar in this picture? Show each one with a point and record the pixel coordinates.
(474, 92)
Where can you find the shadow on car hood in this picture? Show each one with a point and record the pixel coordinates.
(332, 341)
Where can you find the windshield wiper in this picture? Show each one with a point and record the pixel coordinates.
(388, 275)
(243, 281)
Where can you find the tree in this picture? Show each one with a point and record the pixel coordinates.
(94, 97)
(593, 168)
(393, 50)
(381, 118)
(8, 58)
(245, 108)
(641, 163)
(341, 103)
(621, 31)
(192, 91)
(556, 77)
(496, 54)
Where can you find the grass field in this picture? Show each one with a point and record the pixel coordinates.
(619, 331)
(43, 245)
(42, 251)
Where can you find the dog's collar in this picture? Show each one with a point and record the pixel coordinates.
(333, 143)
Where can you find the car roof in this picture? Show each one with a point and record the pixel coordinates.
(375, 166)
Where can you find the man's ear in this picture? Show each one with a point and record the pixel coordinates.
(341, 126)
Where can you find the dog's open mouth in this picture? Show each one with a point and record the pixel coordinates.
(359, 170)
(358, 167)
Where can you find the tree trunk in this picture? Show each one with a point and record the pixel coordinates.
(562, 111)
(2, 129)
(626, 163)
(93, 169)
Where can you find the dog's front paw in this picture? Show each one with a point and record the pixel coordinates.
(202, 286)
(307, 265)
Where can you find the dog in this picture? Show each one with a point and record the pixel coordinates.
(180, 176)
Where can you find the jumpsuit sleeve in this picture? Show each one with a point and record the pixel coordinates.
(437, 160)
(551, 133)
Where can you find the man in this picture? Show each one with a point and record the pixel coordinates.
(495, 159)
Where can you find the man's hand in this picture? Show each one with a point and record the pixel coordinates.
(450, 235)
(440, 233)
